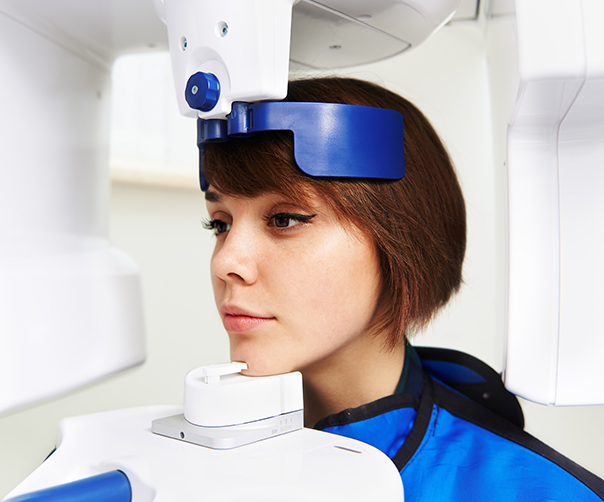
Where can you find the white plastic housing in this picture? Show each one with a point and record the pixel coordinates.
(70, 304)
(300, 466)
(339, 33)
(238, 399)
(245, 43)
(555, 155)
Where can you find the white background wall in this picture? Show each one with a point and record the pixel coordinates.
(155, 217)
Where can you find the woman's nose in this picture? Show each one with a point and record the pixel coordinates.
(234, 260)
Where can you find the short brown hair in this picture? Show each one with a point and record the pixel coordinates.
(417, 224)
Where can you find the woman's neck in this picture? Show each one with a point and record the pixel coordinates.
(358, 374)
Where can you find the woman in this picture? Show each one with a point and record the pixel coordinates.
(331, 276)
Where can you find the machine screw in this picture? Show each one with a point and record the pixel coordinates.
(224, 30)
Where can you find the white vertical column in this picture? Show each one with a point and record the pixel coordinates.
(70, 305)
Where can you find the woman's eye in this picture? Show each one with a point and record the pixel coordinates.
(217, 226)
(283, 221)
(287, 220)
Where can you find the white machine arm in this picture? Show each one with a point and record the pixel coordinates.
(239, 50)
(236, 50)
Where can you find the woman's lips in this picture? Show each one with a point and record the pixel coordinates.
(234, 323)
(238, 320)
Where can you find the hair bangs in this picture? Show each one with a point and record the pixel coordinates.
(252, 166)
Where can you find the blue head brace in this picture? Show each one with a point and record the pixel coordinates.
(332, 140)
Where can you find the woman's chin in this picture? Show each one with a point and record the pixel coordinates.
(262, 359)
(258, 370)
(260, 366)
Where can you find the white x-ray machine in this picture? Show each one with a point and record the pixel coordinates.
(70, 306)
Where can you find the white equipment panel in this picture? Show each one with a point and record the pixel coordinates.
(298, 466)
(554, 73)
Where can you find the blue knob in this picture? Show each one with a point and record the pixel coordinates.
(203, 91)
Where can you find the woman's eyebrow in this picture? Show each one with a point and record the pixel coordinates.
(213, 196)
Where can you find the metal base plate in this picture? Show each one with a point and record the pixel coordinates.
(232, 436)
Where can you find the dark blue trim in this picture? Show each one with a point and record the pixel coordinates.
(411, 381)
(484, 419)
(452, 372)
(472, 378)
(330, 139)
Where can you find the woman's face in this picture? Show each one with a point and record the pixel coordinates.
(294, 287)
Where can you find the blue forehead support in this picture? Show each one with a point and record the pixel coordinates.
(330, 140)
